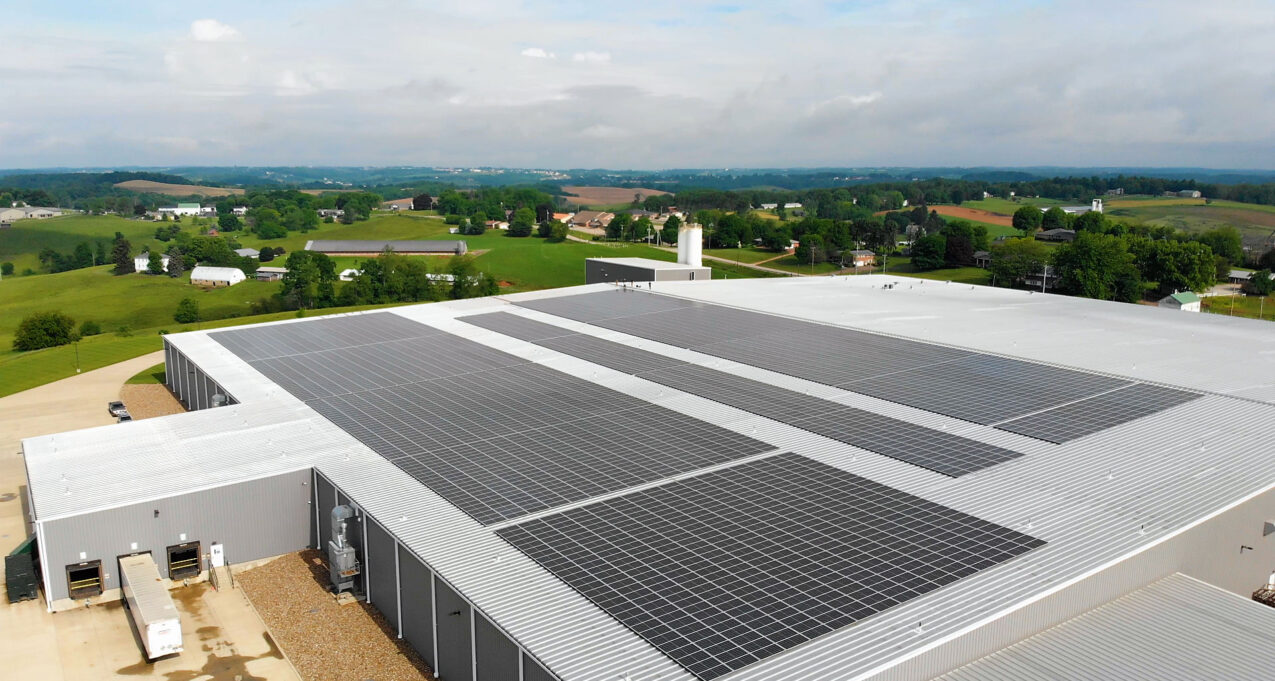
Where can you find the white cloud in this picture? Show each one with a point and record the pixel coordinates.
(604, 132)
(538, 53)
(592, 57)
(212, 31)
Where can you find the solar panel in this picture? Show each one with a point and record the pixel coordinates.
(967, 385)
(319, 334)
(495, 435)
(1094, 414)
(984, 388)
(934, 450)
(729, 567)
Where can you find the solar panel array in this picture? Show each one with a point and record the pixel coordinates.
(1096, 413)
(963, 384)
(726, 568)
(495, 435)
(935, 450)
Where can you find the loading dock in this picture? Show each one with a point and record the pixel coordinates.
(84, 580)
(184, 561)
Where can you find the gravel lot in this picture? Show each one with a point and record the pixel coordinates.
(326, 641)
(149, 401)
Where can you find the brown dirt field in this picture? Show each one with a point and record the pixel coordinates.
(149, 401)
(606, 196)
(974, 214)
(290, 592)
(176, 189)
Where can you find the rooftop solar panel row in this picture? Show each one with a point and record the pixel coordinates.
(299, 338)
(495, 435)
(971, 386)
(937, 451)
(726, 568)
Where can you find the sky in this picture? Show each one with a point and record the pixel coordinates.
(657, 84)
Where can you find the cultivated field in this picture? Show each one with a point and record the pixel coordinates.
(148, 187)
(974, 214)
(607, 196)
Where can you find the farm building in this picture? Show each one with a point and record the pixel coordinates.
(142, 263)
(270, 273)
(1056, 235)
(1190, 194)
(398, 204)
(1241, 276)
(216, 277)
(9, 215)
(1094, 207)
(812, 479)
(349, 274)
(1186, 301)
(247, 253)
(359, 247)
(190, 209)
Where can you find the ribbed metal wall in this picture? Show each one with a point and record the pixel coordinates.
(416, 595)
(496, 657)
(230, 515)
(382, 577)
(455, 634)
(192, 386)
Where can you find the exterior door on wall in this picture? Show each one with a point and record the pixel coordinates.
(217, 555)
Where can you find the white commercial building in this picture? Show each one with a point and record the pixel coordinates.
(808, 479)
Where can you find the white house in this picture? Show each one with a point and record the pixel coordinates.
(216, 277)
(1185, 301)
(239, 211)
(208, 211)
(142, 262)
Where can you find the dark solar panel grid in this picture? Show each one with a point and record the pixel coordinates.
(299, 338)
(1095, 414)
(931, 449)
(729, 567)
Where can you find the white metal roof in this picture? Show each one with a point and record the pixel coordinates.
(217, 273)
(1077, 496)
(648, 263)
(1177, 629)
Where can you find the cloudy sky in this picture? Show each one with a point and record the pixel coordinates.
(657, 84)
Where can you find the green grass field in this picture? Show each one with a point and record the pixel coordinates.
(21, 243)
(1253, 307)
(749, 255)
(145, 304)
(961, 275)
(150, 376)
(1008, 206)
(1255, 223)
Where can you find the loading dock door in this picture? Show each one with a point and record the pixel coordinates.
(84, 580)
(183, 561)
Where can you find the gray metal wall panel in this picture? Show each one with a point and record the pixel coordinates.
(455, 652)
(534, 672)
(230, 515)
(418, 604)
(381, 575)
(325, 495)
(495, 655)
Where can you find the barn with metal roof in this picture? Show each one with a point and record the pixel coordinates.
(815, 478)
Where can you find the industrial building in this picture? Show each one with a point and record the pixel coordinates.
(808, 479)
(689, 265)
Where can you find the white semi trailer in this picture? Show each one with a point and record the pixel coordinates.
(150, 606)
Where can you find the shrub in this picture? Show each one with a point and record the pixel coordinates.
(90, 328)
(44, 330)
(187, 311)
(6, 269)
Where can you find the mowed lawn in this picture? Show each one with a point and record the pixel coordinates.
(22, 243)
(132, 309)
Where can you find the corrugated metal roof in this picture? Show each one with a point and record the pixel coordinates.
(361, 246)
(1080, 496)
(1178, 628)
(217, 273)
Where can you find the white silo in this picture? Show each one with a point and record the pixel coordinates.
(690, 244)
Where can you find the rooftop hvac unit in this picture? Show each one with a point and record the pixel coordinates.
(1266, 594)
(343, 560)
